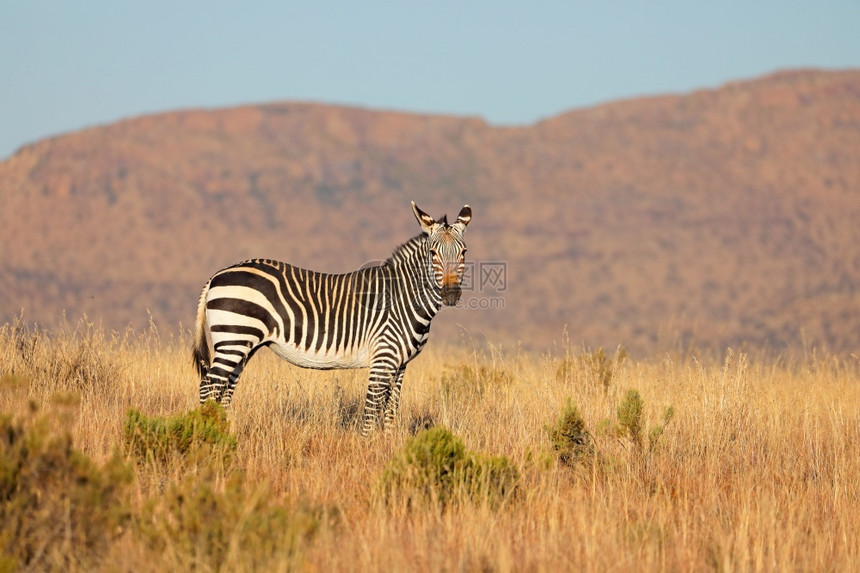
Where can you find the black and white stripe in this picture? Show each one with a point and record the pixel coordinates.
(376, 317)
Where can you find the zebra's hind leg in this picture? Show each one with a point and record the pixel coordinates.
(211, 387)
(227, 394)
(220, 383)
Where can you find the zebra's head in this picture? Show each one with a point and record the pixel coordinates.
(446, 251)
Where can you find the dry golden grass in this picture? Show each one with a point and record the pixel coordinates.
(758, 470)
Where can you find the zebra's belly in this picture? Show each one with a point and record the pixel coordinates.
(321, 360)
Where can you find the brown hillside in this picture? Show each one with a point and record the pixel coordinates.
(720, 217)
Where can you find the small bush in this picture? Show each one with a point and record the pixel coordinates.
(195, 527)
(570, 439)
(490, 478)
(202, 433)
(630, 422)
(58, 510)
(597, 366)
(435, 467)
(630, 417)
(656, 432)
(475, 379)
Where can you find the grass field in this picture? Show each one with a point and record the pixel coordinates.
(756, 466)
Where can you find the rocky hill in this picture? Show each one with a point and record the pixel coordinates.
(718, 218)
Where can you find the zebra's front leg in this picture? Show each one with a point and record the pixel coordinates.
(378, 392)
(393, 400)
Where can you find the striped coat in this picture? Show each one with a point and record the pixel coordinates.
(376, 317)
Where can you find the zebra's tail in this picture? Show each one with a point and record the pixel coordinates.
(201, 351)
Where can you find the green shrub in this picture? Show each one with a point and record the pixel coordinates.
(490, 478)
(630, 422)
(630, 417)
(656, 432)
(58, 510)
(202, 433)
(570, 439)
(434, 467)
(196, 527)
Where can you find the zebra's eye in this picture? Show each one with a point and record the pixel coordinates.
(433, 253)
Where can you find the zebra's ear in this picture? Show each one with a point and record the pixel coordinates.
(428, 223)
(463, 218)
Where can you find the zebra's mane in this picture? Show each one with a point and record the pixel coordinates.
(406, 250)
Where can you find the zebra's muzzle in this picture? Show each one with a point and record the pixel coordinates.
(450, 294)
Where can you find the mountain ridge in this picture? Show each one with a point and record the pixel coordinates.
(724, 215)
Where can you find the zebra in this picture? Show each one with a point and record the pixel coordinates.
(377, 317)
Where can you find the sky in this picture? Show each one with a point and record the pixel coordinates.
(69, 65)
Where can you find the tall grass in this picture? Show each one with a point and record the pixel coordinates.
(756, 467)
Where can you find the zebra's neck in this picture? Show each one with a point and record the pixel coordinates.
(411, 262)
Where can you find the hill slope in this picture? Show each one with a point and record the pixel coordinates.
(719, 217)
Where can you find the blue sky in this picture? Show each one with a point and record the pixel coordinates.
(68, 65)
